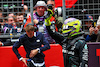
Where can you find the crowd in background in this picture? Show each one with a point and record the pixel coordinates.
(14, 23)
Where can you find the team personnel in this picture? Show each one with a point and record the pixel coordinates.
(32, 42)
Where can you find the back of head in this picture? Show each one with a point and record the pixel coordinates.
(29, 28)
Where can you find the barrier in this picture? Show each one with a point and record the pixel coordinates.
(94, 54)
(53, 57)
(98, 54)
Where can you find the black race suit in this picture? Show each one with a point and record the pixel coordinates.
(77, 52)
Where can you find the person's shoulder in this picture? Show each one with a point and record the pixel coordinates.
(35, 13)
(23, 35)
(38, 33)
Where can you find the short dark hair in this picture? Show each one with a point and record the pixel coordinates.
(19, 14)
(9, 17)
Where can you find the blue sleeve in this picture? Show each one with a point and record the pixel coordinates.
(16, 46)
(45, 43)
(88, 38)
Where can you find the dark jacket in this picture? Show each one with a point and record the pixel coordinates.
(77, 51)
(91, 38)
(30, 44)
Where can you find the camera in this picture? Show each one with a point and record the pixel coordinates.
(58, 11)
(50, 6)
(48, 12)
(40, 28)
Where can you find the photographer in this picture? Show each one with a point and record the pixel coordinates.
(58, 23)
(40, 15)
(55, 18)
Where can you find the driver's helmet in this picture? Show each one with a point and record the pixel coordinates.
(71, 27)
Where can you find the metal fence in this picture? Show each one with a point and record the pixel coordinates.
(11, 7)
(81, 9)
(15, 6)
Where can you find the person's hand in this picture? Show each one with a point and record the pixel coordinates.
(98, 26)
(25, 7)
(14, 24)
(50, 14)
(0, 43)
(33, 53)
(35, 21)
(2, 23)
(96, 30)
(24, 61)
(48, 17)
(91, 29)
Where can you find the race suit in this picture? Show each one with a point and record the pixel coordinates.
(77, 51)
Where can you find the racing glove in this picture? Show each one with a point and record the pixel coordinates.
(48, 17)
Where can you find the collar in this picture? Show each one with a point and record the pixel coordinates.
(34, 34)
(77, 35)
(76, 39)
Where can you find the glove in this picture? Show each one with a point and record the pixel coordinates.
(48, 17)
